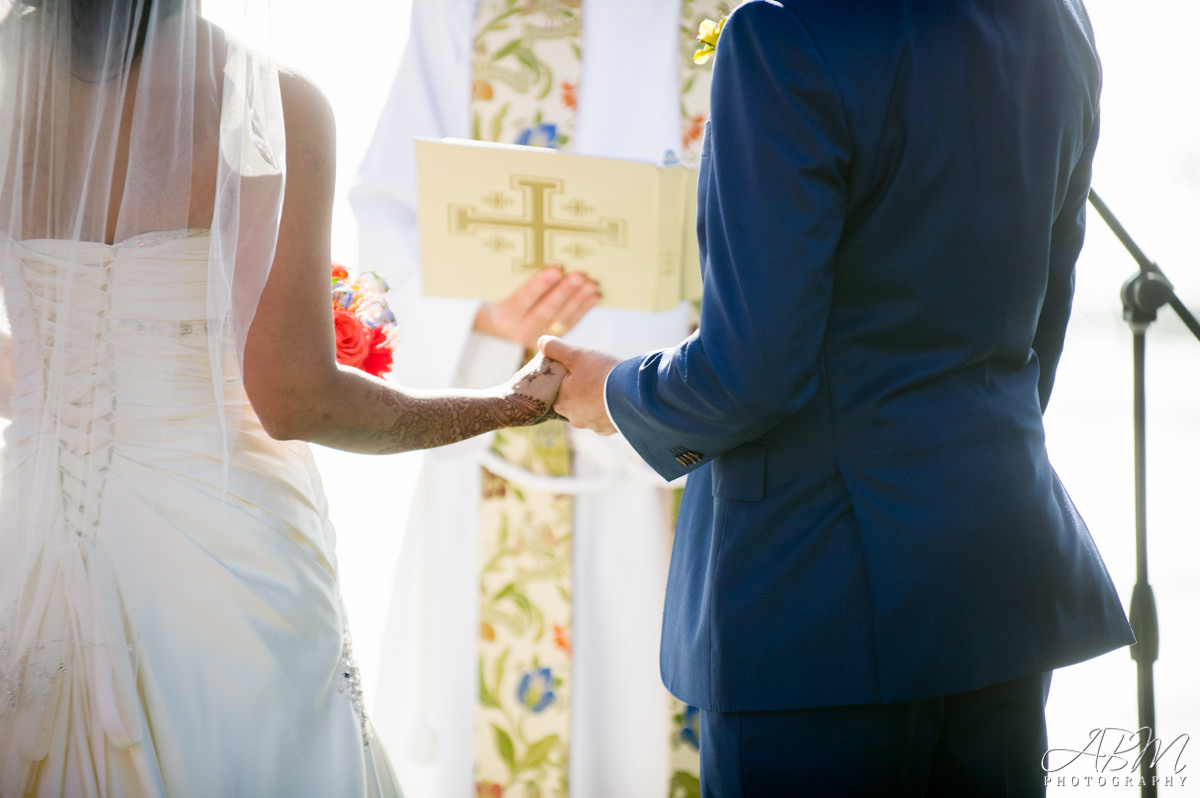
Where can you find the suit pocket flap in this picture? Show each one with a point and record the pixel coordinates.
(741, 473)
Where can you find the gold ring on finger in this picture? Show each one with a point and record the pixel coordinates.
(556, 328)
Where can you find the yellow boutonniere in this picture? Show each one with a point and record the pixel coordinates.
(709, 33)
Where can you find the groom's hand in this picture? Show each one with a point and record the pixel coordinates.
(581, 397)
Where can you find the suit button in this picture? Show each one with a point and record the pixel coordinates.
(688, 458)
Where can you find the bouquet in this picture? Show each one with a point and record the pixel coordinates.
(363, 324)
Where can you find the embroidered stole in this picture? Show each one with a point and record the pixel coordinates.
(527, 60)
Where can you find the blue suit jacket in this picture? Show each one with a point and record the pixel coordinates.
(892, 200)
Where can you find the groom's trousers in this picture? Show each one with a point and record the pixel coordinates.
(981, 743)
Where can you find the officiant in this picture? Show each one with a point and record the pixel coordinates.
(522, 644)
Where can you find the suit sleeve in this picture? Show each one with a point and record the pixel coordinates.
(772, 199)
(1066, 242)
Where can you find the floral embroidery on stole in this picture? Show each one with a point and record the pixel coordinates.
(526, 66)
(695, 80)
(527, 61)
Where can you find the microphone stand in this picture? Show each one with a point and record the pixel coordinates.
(1141, 297)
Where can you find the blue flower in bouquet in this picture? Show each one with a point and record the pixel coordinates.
(688, 731)
(343, 296)
(543, 134)
(535, 690)
(374, 311)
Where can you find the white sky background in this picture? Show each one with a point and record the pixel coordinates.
(1148, 171)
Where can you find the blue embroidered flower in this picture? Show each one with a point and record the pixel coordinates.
(689, 727)
(535, 690)
(543, 134)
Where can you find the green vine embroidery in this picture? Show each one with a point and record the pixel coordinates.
(526, 49)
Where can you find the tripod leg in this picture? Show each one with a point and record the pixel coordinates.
(1143, 615)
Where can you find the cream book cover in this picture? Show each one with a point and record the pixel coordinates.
(692, 282)
(490, 215)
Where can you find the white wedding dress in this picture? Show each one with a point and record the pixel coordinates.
(181, 631)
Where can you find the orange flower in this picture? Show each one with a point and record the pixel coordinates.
(487, 631)
(493, 485)
(489, 789)
(482, 90)
(561, 641)
(340, 272)
(352, 344)
(694, 130)
(569, 97)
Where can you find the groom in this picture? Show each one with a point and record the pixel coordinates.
(875, 568)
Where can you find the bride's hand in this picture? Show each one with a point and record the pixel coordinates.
(530, 393)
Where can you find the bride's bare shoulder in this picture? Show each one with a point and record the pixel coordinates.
(308, 120)
(307, 114)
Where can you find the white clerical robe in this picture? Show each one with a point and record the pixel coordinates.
(424, 706)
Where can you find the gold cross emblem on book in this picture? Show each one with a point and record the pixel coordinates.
(537, 222)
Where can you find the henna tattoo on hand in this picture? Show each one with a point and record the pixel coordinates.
(427, 422)
(386, 419)
(525, 410)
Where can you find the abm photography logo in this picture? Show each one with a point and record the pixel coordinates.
(1114, 758)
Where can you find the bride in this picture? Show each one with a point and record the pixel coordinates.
(170, 621)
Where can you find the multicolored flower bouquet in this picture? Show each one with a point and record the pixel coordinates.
(363, 324)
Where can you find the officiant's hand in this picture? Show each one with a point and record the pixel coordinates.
(531, 392)
(581, 397)
(550, 301)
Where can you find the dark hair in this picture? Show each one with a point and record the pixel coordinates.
(91, 20)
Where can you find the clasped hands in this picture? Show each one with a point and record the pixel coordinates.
(561, 379)
(565, 381)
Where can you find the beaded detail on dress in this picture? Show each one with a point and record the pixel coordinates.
(350, 685)
(25, 676)
(167, 329)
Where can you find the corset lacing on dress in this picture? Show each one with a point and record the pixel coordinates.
(81, 406)
(70, 650)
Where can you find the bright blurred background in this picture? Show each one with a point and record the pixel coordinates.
(1148, 171)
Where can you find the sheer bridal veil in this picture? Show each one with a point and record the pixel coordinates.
(122, 122)
(128, 117)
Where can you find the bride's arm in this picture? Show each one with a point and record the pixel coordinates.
(292, 377)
